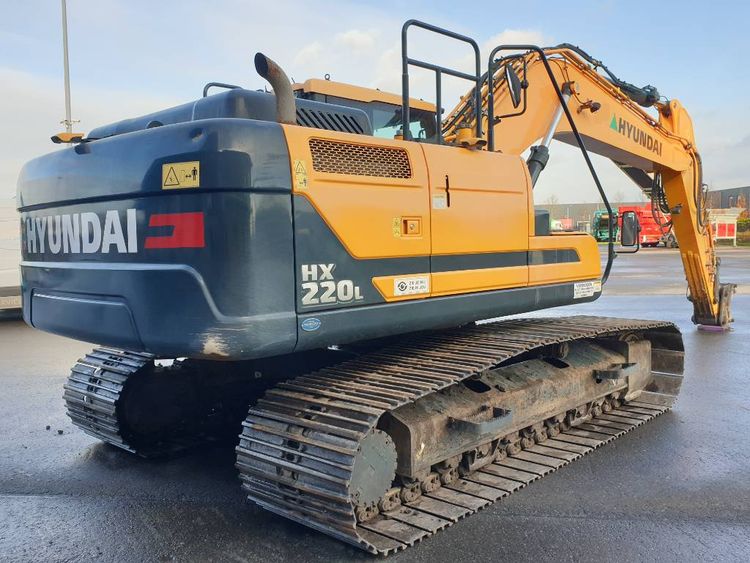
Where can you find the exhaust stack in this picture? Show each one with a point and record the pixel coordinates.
(286, 108)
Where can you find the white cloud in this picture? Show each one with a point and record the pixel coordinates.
(387, 69)
(359, 41)
(516, 37)
(308, 54)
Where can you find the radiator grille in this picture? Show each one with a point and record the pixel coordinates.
(359, 160)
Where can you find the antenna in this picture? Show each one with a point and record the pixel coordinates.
(67, 136)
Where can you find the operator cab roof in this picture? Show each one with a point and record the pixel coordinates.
(357, 93)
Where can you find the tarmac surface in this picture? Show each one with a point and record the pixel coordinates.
(676, 489)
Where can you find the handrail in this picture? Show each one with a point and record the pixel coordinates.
(218, 85)
(439, 70)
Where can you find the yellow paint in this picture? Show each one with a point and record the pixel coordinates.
(178, 175)
(357, 93)
(488, 209)
(360, 210)
(589, 266)
(67, 138)
(487, 279)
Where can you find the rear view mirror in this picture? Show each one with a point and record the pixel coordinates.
(514, 84)
(630, 229)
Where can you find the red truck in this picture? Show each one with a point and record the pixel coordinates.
(651, 233)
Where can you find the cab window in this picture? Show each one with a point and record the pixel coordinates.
(386, 119)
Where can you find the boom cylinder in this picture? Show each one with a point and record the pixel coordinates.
(540, 154)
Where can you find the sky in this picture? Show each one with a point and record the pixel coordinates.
(130, 57)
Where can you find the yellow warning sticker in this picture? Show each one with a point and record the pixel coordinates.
(300, 175)
(177, 175)
(396, 227)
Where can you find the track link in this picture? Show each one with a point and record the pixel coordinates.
(125, 399)
(299, 444)
(94, 389)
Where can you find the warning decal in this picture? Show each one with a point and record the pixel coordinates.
(586, 289)
(177, 175)
(300, 175)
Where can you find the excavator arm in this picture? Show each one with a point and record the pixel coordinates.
(658, 153)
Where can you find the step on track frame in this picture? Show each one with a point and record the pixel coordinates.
(300, 442)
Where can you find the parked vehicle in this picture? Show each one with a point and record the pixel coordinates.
(652, 232)
(600, 226)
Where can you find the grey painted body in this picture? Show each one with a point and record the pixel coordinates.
(235, 289)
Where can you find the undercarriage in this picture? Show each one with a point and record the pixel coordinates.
(383, 447)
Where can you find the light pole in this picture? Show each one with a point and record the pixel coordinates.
(68, 123)
(67, 136)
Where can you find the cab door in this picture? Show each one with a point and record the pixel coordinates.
(480, 220)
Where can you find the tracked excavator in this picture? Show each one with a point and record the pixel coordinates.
(322, 256)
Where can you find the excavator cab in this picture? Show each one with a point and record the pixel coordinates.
(382, 108)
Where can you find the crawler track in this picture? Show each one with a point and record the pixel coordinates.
(94, 390)
(124, 399)
(298, 445)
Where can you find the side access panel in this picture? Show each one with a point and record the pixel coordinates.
(361, 219)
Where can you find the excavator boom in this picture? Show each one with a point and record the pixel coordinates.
(658, 152)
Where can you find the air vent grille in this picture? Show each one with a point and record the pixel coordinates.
(328, 120)
(359, 160)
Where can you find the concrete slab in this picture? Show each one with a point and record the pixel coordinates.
(673, 490)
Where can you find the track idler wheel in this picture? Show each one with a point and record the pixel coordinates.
(373, 473)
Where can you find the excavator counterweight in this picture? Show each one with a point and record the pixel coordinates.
(316, 260)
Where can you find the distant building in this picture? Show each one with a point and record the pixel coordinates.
(583, 213)
(729, 197)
